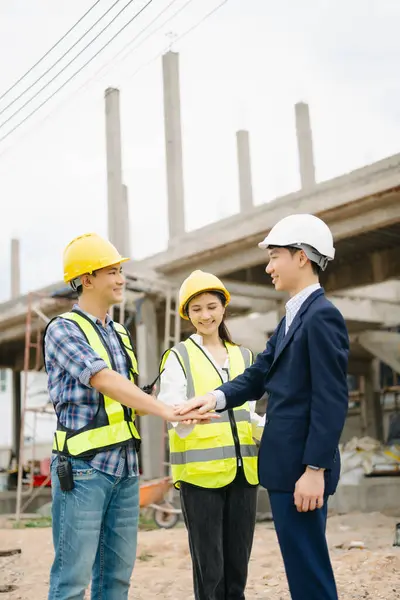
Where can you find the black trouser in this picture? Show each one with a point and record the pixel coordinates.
(220, 524)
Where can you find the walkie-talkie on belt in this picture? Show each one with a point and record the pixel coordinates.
(64, 471)
(149, 388)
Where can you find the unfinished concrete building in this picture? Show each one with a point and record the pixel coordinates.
(363, 210)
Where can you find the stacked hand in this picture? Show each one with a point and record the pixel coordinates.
(309, 490)
(197, 410)
(194, 411)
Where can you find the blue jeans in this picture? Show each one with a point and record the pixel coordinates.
(94, 534)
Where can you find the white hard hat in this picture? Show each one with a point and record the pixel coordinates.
(306, 232)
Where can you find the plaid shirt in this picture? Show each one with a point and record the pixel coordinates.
(70, 364)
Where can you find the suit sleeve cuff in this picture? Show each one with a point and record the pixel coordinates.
(220, 400)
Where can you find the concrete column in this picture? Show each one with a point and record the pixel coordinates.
(124, 244)
(16, 412)
(244, 166)
(15, 269)
(114, 167)
(373, 409)
(305, 145)
(173, 145)
(151, 428)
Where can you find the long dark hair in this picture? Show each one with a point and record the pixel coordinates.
(223, 330)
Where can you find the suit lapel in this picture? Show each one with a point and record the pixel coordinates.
(287, 338)
(281, 334)
(294, 325)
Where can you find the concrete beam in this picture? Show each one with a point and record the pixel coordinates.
(173, 145)
(388, 291)
(254, 290)
(244, 168)
(248, 305)
(243, 252)
(371, 311)
(372, 192)
(385, 314)
(358, 367)
(384, 345)
(305, 146)
(372, 268)
(252, 331)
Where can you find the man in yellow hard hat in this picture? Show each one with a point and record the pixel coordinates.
(91, 370)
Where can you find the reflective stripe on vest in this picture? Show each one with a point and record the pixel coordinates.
(207, 456)
(126, 342)
(113, 424)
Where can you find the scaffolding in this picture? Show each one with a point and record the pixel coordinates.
(35, 323)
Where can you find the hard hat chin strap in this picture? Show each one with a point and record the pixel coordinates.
(313, 255)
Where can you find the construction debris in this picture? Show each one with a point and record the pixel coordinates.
(366, 456)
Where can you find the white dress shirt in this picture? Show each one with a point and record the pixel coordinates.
(294, 304)
(173, 386)
(292, 308)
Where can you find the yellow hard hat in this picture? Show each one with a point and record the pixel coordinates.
(88, 253)
(197, 283)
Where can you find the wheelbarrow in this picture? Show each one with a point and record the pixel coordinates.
(152, 494)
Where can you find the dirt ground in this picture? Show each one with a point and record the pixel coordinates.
(163, 568)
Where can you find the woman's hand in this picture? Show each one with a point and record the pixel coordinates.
(190, 418)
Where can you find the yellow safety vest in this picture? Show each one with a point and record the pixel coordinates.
(113, 425)
(209, 456)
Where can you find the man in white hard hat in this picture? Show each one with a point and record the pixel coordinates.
(304, 371)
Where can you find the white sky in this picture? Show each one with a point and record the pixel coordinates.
(244, 67)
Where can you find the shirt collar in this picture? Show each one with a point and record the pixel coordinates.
(94, 319)
(297, 300)
(198, 339)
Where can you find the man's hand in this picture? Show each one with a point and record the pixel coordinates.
(309, 490)
(191, 417)
(203, 403)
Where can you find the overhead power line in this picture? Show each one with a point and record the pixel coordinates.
(26, 90)
(143, 66)
(116, 58)
(49, 51)
(179, 38)
(68, 64)
(76, 72)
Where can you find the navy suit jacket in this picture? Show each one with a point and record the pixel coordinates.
(305, 375)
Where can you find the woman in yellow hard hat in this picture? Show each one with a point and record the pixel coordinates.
(214, 465)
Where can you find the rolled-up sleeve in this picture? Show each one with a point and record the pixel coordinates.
(66, 345)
